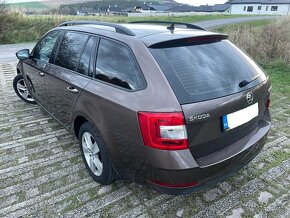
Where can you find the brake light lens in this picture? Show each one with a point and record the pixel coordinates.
(268, 103)
(165, 131)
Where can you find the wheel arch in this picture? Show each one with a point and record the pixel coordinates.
(79, 120)
(18, 71)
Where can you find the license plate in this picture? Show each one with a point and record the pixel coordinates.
(238, 118)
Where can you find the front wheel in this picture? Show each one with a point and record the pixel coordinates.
(96, 155)
(21, 90)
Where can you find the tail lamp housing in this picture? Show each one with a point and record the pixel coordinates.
(166, 131)
(268, 103)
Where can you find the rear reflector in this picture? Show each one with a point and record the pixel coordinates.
(178, 185)
(268, 103)
(165, 131)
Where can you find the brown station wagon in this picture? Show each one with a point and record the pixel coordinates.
(170, 105)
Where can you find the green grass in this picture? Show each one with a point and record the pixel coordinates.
(279, 73)
(255, 23)
(31, 28)
(28, 5)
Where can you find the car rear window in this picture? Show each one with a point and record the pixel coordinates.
(116, 65)
(206, 71)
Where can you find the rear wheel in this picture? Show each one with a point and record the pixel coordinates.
(21, 90)
(95, 155)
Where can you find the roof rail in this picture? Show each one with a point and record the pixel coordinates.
(119, 28)
(171, 27)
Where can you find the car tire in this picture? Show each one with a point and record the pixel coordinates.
(95, 155)
(21, 90)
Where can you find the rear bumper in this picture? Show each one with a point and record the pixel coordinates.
(209, 169)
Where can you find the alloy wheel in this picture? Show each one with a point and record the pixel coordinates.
(23, 91)
(92, 153)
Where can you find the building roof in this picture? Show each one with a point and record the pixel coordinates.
(205, 8)
(221, 7)
(260, 2)
(146, 7)
(182, 8)
(160, 7)
(276, 2)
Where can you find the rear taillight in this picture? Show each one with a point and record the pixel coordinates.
(165, 131)
(268, 103)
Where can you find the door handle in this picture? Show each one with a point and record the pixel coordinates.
(41, 74)
(72, 89)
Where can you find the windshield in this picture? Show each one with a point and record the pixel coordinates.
(207, 71)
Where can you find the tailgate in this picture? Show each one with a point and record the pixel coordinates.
(205, 121)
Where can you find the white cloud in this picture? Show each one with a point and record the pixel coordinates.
(201, 2)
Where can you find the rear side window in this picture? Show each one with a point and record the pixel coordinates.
(70, 50)
(207, 71)
(116, 65)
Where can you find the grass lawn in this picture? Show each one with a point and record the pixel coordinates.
(255, 23)
(28, 5)
(30, 28)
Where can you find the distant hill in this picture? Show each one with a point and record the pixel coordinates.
(42, 5)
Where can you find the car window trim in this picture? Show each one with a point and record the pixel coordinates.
(93, 58)
(136, 62)
(82, 52)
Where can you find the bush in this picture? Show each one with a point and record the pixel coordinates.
(264, 43)
(3, 17)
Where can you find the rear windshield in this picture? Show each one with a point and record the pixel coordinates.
(207, 71)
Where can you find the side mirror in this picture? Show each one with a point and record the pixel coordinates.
(23, 54)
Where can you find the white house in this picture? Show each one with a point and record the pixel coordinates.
(267, 7)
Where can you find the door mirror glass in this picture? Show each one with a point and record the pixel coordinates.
(23, 54)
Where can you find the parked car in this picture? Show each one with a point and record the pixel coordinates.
(172, 105)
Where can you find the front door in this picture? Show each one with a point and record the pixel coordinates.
(35, 67)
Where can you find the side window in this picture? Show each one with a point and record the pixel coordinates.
(84, 63)
(70, 50)
(116, 65)
(43, 49)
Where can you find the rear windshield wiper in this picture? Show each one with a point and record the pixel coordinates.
(245, 82)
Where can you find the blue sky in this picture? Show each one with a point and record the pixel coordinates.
(190, 2)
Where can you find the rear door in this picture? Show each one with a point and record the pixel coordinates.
(35, 67)
(70, 74)
(221, 90)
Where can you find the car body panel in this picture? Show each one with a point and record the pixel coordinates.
(33, 70)
(212, 154)
(60, 100)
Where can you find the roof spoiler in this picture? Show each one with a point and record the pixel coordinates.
(190, 41)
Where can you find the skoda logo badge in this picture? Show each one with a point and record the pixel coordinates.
(249, 97)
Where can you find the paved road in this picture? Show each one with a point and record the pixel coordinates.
(42, 173)
(7, 52)
(210, 24)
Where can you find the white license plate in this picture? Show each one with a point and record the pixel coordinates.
(235, 119)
